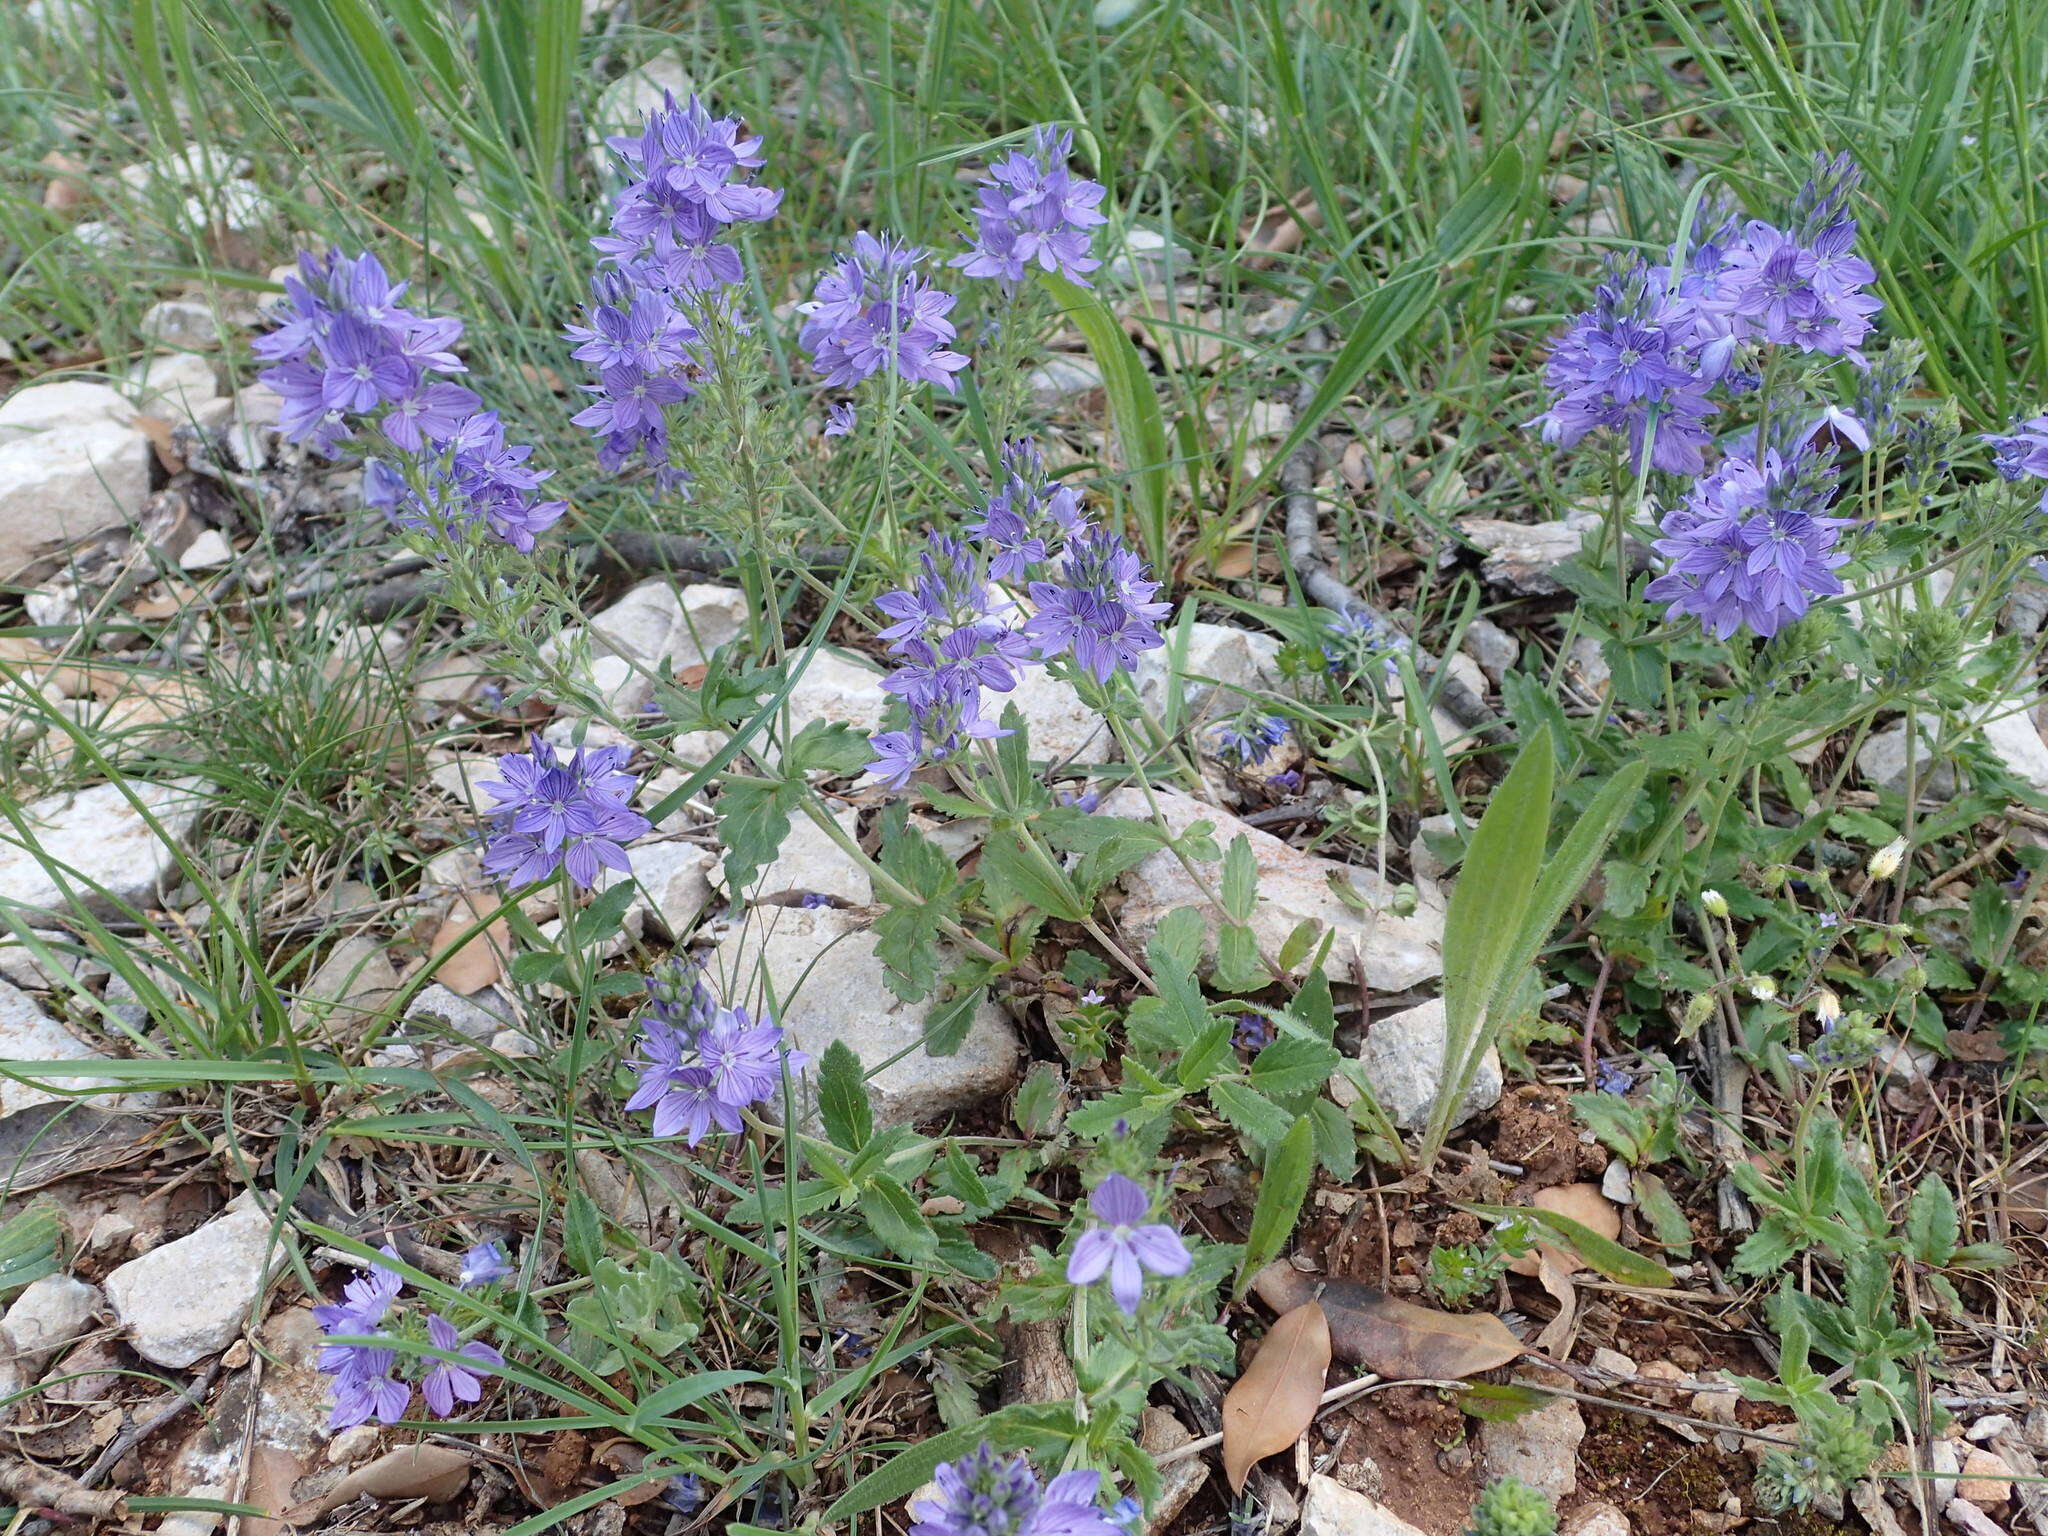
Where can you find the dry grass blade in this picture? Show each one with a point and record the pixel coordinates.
(1270, 1406)
(1391, 1337)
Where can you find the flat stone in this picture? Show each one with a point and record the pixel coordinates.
(1061, 728)
(208, 552)
(189, 1299)
(1596, 1519)
(1397, 952)
(460, 779)
(477, 1017)
(1423, 861)
(1158, 1433)
(72, 463)
(1221, 666)
(1986, 1480)
(1060, 378)
(676, 880)
(1331, 1509)
(652, 625)
(830, 985)
(810, 863)
(1521, 556)
(50, 1315)
(353, 982)
(623, 105)
(838, 690)
(1403, 1057)
(1493, 648)
(182, 324)
(2015, 740)
(1541, 1447)
(112, 856)
(29, 1034)
(1881, 760)
(175, 385)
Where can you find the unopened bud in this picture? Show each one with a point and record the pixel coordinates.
(1886, 861)
(1715, 903)
(1698, 1009)
(1762, 988)
(1914, 979)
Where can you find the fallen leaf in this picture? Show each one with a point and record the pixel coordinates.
(2026, 1202)
(1554, 1274)
(479, 962)
(1975, 1045)
(1582, 1203)
(1235, 562)
(1388, 1336)
(1273, 1402)
(624, 1458)
(436, 1473)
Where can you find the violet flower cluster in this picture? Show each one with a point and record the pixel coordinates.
(1123, 1245)
(1091, 597)
(983, 1494)
(1250, 741)
(688, 180)
(2022, 453)
(1749, 546)
(1752, 545)
(575, 815)
(702, 1063)
(369, 1380)
(873, 312)
(344, 349)
(1033, 211)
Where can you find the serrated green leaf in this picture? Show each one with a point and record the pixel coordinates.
(1255, 1116)
(1240, 889)
(892, 1215)
(753, 819)
(1014, 877)
(843, 1102)
(1291, 1066)
(1932, 1225)
(828, 746)
(907, 932)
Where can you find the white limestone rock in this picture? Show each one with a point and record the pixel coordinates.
(1331, 1509)
(48, 1316)
(29, 1034)
(1540, 1447)
(111, 856)
(189, 1299)
(72, 462)
(1221, 665)
(829, 984)
(1397, 952)
(1521, 556)
(1403, 1056)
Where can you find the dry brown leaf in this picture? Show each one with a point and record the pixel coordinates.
(479, 962)
(1554, 1273)
(1235, 562)
(436, 1473)
(1388, 1336)
(624, 1458)
(1273, 1402)
(1582, 1203)
(1975, 1045)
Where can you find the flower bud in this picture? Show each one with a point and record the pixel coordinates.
(1826, 1007)
(1886, 861)
(1762, 988)
(1715, 903)
(1698, 1009)
(1914, 979)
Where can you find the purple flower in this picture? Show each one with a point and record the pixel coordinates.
(897, 755)
(1254, 1032)
(1028, 515)
(683, 158)
(983, 1494)
(1123, 1248)
(554, 815)
(1100, 610)
(1611, 1077)
(699, 1072)
(448, 1380)
(872, 312)
(1750, 546)
(1835, 428)
(841, 419)
(485, 1264)
(2022, 453)
(1251, 741)
(1034, 212)
(367, 1389)
(1633, 364)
